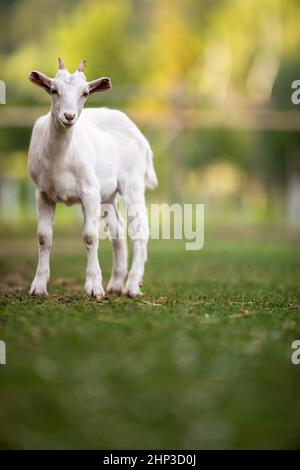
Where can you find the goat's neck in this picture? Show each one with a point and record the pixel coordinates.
(58, 140)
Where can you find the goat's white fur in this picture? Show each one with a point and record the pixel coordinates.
(90, 162)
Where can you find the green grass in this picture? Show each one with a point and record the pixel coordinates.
(203, 360)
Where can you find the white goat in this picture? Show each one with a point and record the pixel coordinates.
(90, 157)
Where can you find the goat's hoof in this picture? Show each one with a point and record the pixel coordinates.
(94, 289)
(115, 287)
(38, 293)
(133, 291)
(115, 291)
(37, 289)
(100, 297)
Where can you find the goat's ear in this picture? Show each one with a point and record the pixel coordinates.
(100, 84)
(40, 79)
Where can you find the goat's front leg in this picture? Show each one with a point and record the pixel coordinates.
(45, 213)
(91, 208)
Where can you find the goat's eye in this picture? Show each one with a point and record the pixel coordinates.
(85, 94)
(54, 91)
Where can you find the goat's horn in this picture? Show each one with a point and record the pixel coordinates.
(81, 65)
(61, 63)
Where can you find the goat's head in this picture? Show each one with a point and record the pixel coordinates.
(68, 91)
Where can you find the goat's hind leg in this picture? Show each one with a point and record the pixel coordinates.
(139, 233)
(117, 235)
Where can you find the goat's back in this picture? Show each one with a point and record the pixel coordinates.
(115, 122)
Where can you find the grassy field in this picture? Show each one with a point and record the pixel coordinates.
(203, 360)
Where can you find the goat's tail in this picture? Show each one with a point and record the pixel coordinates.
(150, 175)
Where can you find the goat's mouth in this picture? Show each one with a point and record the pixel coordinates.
(67, 124)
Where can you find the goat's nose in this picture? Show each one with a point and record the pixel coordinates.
(69, 116)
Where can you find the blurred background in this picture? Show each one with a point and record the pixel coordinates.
(208, 82)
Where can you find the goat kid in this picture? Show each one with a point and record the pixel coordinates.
(90, 157)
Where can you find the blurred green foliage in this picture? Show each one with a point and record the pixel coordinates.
(158, 43)
(232, 56)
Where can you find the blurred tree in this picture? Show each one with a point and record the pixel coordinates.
(226, 55)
